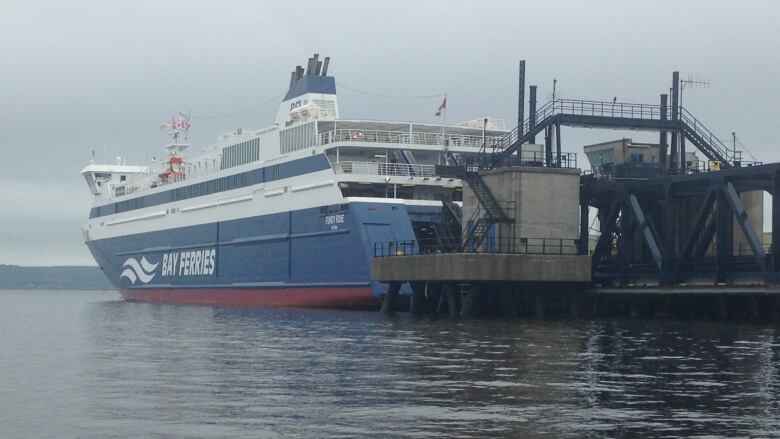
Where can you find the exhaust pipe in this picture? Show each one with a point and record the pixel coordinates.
(325, 66)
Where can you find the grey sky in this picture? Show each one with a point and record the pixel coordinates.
(80, 76)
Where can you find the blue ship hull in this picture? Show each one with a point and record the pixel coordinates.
(316, 257)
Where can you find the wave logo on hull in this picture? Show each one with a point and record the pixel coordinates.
(142, 271)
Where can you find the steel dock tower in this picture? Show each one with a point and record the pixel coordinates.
(676, 234)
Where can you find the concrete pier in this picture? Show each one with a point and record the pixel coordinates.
(479, 284)
(482, 267)
(520, 252)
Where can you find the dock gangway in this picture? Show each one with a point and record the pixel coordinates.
(613, 115)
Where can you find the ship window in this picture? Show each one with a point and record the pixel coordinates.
(243, 179)
(297, 138)
(240, 154)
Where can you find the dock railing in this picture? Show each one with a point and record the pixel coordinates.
(648, 170)
(531, 246)
(583, 108)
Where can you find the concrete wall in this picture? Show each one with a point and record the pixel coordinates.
(543, 201)
(482, 267)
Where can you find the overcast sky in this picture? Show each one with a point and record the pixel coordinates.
(79, 76)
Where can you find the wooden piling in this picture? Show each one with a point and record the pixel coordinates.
(723, 308)
(753, 309)
(633, 309)
(540, 305)
(450, 302)
(388, 304)
(417, 305)
(506, 300)
(432, 297)
(573, 304)
(776, 309)
(470, 302)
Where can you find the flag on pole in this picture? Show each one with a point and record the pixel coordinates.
(442, 107)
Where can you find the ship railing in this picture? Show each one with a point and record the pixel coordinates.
(383, 168)
(407, 137)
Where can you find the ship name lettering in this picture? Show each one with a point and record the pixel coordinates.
(189, 263)
(334, 219)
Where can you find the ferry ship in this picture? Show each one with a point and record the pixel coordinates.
(289, 215)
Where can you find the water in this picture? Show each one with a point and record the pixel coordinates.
(88, 365)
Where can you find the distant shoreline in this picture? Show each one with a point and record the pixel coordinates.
(16, 290)
(55, 278)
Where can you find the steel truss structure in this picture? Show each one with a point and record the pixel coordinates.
(676, 227)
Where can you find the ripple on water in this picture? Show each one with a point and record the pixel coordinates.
(138, 370)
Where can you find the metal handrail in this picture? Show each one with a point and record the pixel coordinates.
(616, 109)
(404, 137)
(584, 108)
(696, 167)
(490, 245)
(384, 168)
(706, 134)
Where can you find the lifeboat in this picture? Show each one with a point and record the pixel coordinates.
(175, 171)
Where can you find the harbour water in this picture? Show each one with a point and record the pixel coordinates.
(75, 364)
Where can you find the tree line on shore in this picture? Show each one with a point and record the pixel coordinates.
(15, 277)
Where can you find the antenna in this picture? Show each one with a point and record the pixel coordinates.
(736, 141)
(554, 95)
(693, 82)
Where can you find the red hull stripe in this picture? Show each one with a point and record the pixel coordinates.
(338, 297)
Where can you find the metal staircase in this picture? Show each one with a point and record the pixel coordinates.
(476, 234)
(407, 157)
(448, 231)
(451, 214)
(485, 197)
(703, 138)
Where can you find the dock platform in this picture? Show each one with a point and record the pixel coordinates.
(483, 267)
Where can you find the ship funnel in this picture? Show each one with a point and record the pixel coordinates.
(325, 66)
(311, 95)
(308, 67)
(315, 70)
